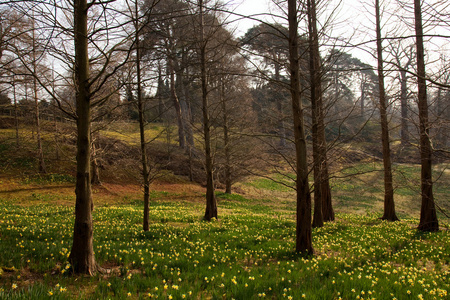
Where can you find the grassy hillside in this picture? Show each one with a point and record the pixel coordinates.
(246, 254)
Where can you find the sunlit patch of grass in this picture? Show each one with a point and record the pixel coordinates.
(275, 182)
(233, 197)
(129, 133)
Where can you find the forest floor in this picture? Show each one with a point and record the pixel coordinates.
(246, 254)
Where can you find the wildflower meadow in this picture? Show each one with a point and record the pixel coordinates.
(248, 253)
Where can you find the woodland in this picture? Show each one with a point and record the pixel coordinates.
(167, 149)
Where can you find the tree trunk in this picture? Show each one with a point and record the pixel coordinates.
(176, 103)
(145, 169)
(184, 111)
(160, 94)
(322, 192)
(389, 205)
(16, 119)
(440, 137)
(211, 204)
(443, 113)
(404, 108)
(82, 254)
(363, 95)
(226, 139)
(185, 108)
(95, 177)
(314, 90)
(303, 242)
(55, 126)
(428, 217)
(281, 128)
(55, 119)
(41, 162)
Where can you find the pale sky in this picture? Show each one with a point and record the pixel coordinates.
(354, 19)
(247, 7)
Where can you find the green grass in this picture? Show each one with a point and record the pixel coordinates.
(129, 133)
(48, 179)
(275, 182)
(246, 254)
(360, 187)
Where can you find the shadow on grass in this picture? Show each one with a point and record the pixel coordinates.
(38, 188)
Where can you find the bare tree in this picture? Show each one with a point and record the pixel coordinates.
(428, 217)
(173, 29)
(146, 169)
(441, 108)
(303, 242)
(91, 62)
(403, 59)
(323, 209)
(41, 162)
(211, 202)
(389, 206)
(82, 254)
(14, 34)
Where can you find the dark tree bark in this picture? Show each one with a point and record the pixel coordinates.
(389, 205)
(314, 90)
(145, 168)
(211, 203)
(323, 210)
(428, 217)
(82, 254)
(303, 243)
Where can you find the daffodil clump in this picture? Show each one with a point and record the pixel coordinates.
(246, 254)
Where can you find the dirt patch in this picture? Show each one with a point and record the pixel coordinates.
(107, 193)
(23, 277)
